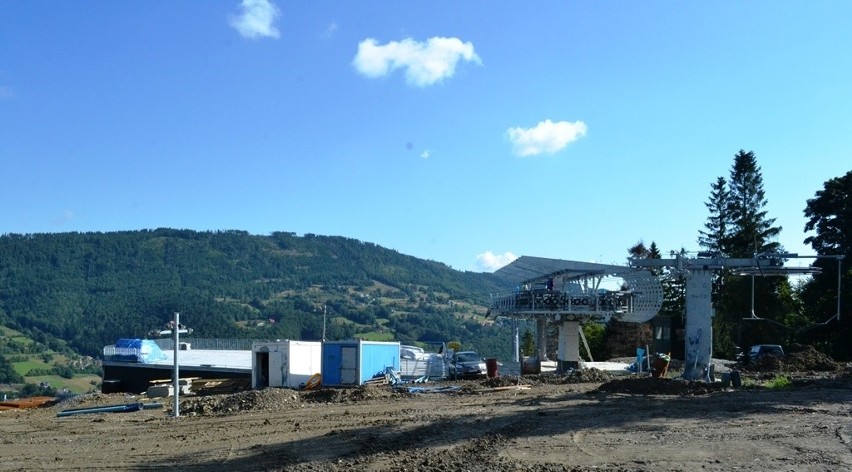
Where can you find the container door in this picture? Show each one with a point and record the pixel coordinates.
(349, 365)
(261, 370)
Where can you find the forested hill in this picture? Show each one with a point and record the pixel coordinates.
(88, 289)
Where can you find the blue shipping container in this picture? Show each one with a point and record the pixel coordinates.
(351, 363)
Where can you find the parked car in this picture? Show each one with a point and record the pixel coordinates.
(760, 350)
(467, 364)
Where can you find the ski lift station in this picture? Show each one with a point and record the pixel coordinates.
(568, 293)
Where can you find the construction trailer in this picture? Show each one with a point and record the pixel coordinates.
(284, 363)
(352, 363)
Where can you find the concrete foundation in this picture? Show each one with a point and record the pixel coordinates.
(699, 326)
(569, 346)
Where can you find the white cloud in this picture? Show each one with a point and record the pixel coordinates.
(256, 18)
(330, 30)
(488, 261)
(425, 154)
(546, 137)
(65, 217)
(425, 63)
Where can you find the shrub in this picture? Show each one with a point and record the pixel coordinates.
(780, 382)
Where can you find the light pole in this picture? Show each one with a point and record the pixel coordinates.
(175, 330)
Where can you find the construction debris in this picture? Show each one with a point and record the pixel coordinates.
(128, 407)
(31, 402)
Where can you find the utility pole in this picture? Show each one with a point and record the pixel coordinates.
(323, 323)
(176, 373)
(174, 330)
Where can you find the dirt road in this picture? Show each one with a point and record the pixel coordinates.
(556, 424)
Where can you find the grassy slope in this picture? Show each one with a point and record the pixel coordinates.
(80, 383)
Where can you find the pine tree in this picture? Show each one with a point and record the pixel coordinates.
(750, 231)
(717, 224)
(527, 343)
(674, 292)
(745, 231)
(638, 250)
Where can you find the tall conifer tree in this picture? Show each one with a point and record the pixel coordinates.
(740, 228)
(750, 230)
(716, 228)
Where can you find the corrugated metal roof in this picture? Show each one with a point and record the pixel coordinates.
(645, 289)
(530, 269)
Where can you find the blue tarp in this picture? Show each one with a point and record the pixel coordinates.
(138, 350)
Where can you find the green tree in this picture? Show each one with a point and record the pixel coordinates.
(527, 343)
(744, 230)
(829, 213)
(715, 232)
(594, 333)
(829, 216)
(7, 372)
(751, 231)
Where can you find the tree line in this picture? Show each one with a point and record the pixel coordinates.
(85, 290)
(738, 226)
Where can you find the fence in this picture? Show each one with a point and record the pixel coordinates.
(213, 344)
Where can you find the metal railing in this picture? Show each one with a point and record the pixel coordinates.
(213, 344)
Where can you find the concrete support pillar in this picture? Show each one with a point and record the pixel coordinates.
(699, 326)
(516, 340)
(569, 345)
(541, 342)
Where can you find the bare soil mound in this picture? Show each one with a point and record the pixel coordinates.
(805, 359)
(282, 398)
(351, 395)
(550, 378)
(662, 386)
(215, 405)
(809, 359)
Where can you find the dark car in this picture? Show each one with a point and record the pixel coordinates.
(466, 364)
(761, 350)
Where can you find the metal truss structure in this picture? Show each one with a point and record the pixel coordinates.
(560, 290)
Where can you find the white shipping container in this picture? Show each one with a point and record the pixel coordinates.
(284, 363)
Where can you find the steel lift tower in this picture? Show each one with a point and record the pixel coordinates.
(568, 293)
(698, 274)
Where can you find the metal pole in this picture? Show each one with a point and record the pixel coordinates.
(176, 380)
(323, 322)
(752, 297)
(516, 345)
(839, 260)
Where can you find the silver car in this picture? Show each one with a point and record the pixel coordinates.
(467, 364)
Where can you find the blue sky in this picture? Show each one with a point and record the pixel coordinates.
(461, 132)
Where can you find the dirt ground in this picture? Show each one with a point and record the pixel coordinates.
(585, 421)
